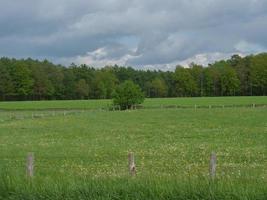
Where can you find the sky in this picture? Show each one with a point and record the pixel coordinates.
(145, 34)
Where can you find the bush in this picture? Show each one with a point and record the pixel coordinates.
(128, 94)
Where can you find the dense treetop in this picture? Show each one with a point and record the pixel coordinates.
(29, 79)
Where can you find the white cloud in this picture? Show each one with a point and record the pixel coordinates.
(207, 58)
(244, 46)
(144, 34)
(97, 58)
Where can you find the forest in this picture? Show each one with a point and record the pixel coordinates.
(28, 79)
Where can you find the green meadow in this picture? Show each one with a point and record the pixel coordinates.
(82, 154)
(150, 102)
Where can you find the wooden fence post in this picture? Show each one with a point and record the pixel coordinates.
(195, 106)
(131, 164)
(213, 165)
(30, 165)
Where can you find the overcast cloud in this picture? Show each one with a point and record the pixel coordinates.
(144, 34)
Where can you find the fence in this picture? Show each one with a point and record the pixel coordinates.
(12, 115)
(132, 166)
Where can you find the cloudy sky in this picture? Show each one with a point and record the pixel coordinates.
(141, 33)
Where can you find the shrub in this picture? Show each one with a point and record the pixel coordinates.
(128, 94)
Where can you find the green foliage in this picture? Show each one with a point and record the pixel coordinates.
(82, 89)
(22, 79)
(104, 84)
(42, 87)
(157, 88)
(198, 76)
(6, 83)
(259, 74)
(184, 82)
(229, 82)
(40, 80)
(128, 94)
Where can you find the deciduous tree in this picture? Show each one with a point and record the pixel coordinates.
(128, 94)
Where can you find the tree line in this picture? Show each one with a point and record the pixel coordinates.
(28, 79)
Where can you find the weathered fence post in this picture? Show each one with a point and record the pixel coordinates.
(213, 160)
(195, 106)
(131, 164)
(209, 106)
(253, 105)
(30, 165)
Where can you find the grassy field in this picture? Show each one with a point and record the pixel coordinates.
(52, 105)
(95, 104)
(83, 155)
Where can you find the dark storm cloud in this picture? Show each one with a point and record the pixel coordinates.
(136, 32)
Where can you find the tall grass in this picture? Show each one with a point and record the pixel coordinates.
(14, 187)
